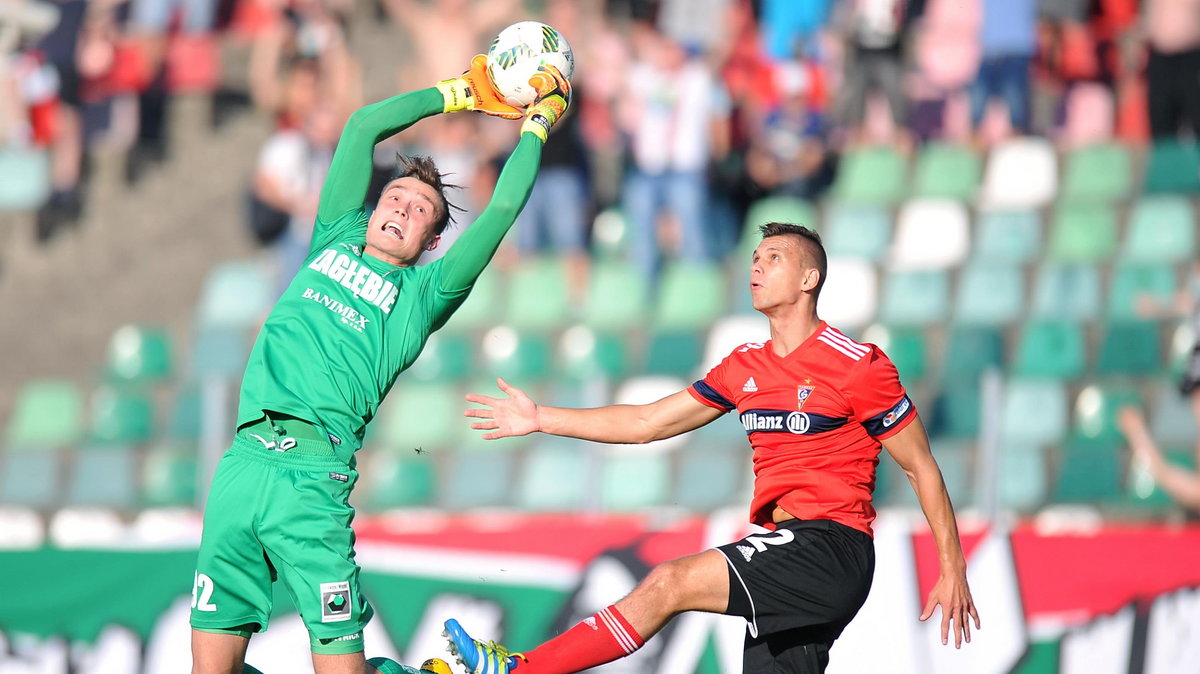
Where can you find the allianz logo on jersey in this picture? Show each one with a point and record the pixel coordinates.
(792, 422)
(355, 277)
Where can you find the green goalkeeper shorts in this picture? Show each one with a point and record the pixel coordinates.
(279, 514)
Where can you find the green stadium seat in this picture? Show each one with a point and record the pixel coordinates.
(948, 171)
(617, 298)
(585, 354)
(771, 209)
(104, 476)
(30, 478)
(636, 480)
(418, 415)
(399, 479)
(219, 353)
(557, 475)
(1008, 237)
(906, 348)
(186, 421)
(1172, 420)
(1162, 228)
(24, 178)
(674, 353)
(1129, 348)
(690, 297)
(483, 308)
(858, 231)
(956, 412)
(537, 297)
(915, 298)
(708, 477)
(517, 357)
(1095, 412)
(1097, 173)
(1022, 475)
(1067, 292)
(169, 476)
(1174, 167)
(121, 417)
(1034, 412)
(990, 294)
(1134, 280)
(1082, 232)
(477, 480)
(447, 356)
(139, 354)
(1048, 348)
(1088, 473)
(47, 413)
(236, 295)
(970, 351)
(875, 175)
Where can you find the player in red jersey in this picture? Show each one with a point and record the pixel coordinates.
(816, 406)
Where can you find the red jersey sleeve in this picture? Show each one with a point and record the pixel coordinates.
(877, 397)
(713, 389)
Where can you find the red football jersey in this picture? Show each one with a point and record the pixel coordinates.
(815, 420)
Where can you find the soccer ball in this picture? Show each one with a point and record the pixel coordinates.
(517, 52)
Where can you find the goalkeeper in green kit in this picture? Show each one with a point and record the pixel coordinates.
(356, 315)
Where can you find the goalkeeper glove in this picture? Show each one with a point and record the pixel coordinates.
(550, 104)
(473, 91)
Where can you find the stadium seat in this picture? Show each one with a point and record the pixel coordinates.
(483, 307)
(519, 357)
(104, 476)
(1172, 421)
(849, 295)
(236, 295)
(477, 480)
(559, 474)
(930, 234)
(185, 423)
(1095, 411)
(139, 354)
(1173, 167)
(1008, 237)
(947, 171)
(1034, 412)
(1088, 472)
(1022, 475)
(169, 476)
(730, 332)
(1133, 281)
(1020, 173)
(399, 479)
(1082, 232)
(989, 294)
(955, 412)
(537, 297)
(1097, 173)
(1067, 292)
(1129, 348)
(610, 235)
(708, 476)
(447, 356)
(690, 297)
(47, 413)
(875, 175)
(857, 231)
(24, 178)
(904, 346)
(913, 298)
(632, 481)
(29, 476)
(1049, 348)
(121, 417)
(970, 351)
(418, 415)
(674, 353)
(1162, 229)
(585, 354)
(771, 209)
(219, 353)
(617, 297)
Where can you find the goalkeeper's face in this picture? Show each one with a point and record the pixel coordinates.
(404, 222)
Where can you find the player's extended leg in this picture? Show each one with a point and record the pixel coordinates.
(697, 582)
(218, 653)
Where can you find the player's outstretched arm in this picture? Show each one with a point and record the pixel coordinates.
(517, 414)
(910, 449)
(1180, 484)
(466, 259)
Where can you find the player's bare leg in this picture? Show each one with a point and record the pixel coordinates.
(342, 663)
(218, 653)
(697, 582)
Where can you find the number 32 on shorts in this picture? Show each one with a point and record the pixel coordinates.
(202, 589)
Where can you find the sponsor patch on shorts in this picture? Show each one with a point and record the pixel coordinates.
(340, 477)
(336, 603)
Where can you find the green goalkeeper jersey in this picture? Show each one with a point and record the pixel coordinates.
(349, 323)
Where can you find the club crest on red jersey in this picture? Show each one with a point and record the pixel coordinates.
(802, 394)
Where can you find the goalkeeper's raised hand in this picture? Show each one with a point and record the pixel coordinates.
(473, 91)
(550, 104)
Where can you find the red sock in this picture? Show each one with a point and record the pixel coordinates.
(601, 638)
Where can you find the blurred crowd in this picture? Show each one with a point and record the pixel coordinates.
(686, 111)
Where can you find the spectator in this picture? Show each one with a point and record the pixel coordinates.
(875, 33)
(1173, 66)
(1009, 42)
(444, 34)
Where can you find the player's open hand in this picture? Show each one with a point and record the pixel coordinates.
(954, 596)
(508, 417)
(474, 91)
